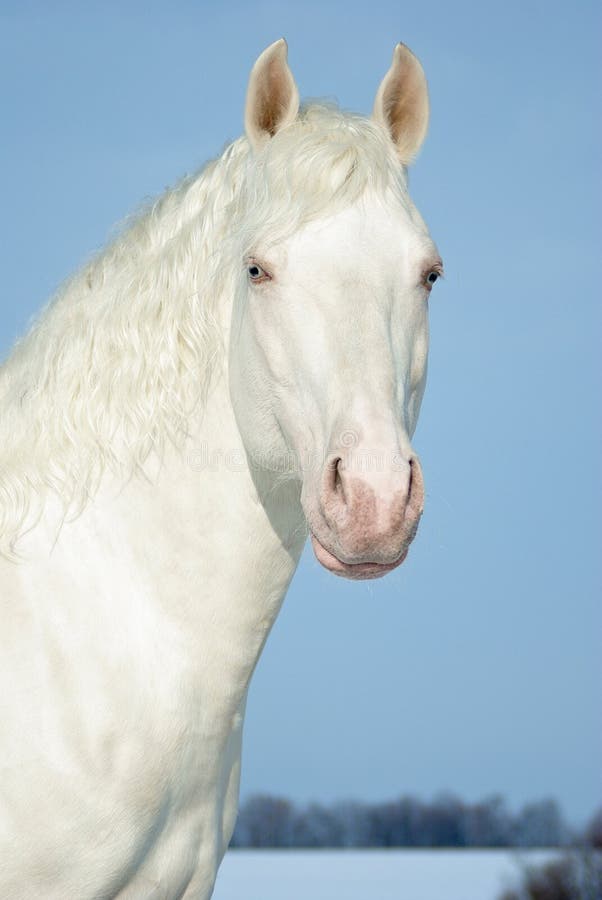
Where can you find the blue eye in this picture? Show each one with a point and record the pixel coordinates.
(256, 273)
(430, 276)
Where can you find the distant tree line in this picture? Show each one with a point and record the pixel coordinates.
(266, 821)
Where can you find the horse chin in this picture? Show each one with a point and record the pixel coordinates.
(357, 571)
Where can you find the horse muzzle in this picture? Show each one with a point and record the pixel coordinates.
(366, 521)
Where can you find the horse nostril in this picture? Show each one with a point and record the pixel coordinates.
(416, 486)
(338, 481)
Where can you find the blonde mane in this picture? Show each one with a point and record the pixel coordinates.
(122, 357)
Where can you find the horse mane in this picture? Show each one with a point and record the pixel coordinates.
(122, 357)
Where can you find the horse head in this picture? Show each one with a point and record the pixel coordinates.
(329, 333)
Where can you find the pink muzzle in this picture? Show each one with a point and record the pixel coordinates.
(366, 521)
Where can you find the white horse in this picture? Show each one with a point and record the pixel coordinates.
(244, 364)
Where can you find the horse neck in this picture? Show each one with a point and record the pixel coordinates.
(195, 547)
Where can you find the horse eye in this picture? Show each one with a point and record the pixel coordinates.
(432, 277)
(256, 273)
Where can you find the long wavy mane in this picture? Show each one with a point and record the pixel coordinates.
(122, 357)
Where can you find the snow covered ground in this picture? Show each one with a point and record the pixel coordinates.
(370, 874)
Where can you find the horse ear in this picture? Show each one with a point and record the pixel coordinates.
(272, 95)
(402, 103)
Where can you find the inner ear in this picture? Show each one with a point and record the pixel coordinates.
(272, 99)
(402, 103)
(272, 95)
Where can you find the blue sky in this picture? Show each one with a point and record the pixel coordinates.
(476, 667)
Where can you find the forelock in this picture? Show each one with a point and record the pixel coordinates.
(318, 165)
